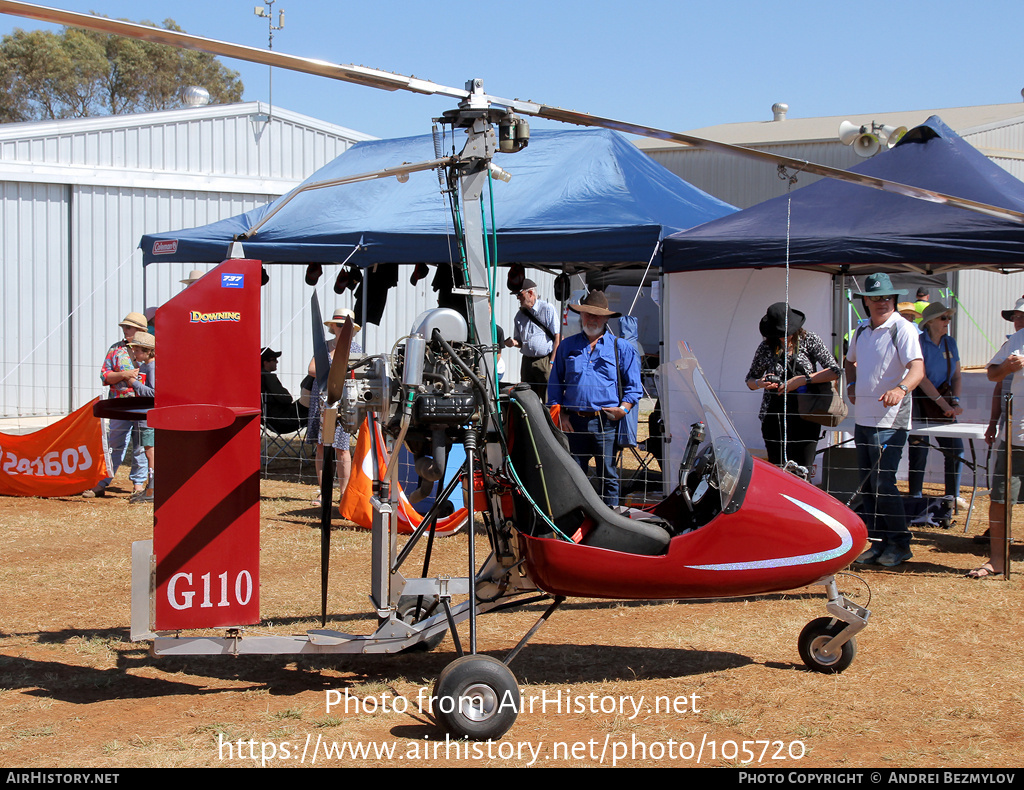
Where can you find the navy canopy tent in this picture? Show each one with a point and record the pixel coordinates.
(840, 227)
(579, 196)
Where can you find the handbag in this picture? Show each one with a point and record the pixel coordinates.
(823, 404)
(928, 409)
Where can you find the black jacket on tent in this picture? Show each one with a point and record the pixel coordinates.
(838, 226)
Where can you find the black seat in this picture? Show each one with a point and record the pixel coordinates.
(539, 454)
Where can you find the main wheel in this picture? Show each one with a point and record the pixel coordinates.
(413, 609)
(813, 639)
(476, 697)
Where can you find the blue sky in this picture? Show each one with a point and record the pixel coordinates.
(675, 65)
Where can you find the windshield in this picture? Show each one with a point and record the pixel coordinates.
(689, 399)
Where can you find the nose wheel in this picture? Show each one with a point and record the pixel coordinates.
(818, 652)
(476, 697)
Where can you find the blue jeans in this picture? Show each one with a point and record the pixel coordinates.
(878, 456)
(118, 434)
(952, 453)
(594, 437)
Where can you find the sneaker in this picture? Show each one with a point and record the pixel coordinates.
(962, 504)
(894, 556)
(94, 492)
(869, 557)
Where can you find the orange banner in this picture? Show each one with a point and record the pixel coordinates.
(355, 503)
(62, 459)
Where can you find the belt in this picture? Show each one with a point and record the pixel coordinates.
(585, 413)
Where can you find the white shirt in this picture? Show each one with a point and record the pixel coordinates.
(1013, 345)
(882, 354)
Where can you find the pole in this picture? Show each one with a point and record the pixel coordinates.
(1008, 514)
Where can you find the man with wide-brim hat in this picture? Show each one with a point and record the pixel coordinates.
(595, 379)
(883, 365)
(193, 276)
(1006, 369)
(535, 334)
(117, 373)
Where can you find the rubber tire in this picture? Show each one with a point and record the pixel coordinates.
(814, 635)
(476, 678)
(406, 610)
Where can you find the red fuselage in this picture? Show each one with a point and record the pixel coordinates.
(787, 534)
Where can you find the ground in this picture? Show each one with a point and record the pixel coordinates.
(935, 682)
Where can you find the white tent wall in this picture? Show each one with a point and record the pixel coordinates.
(717, 313)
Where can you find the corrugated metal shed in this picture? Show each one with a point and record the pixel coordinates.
(75, 198)
(77, 195)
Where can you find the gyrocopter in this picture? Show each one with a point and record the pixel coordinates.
(731, 526)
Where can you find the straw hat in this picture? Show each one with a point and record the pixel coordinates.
(339, 318)
(193, 275)
(143, 340)
(137, 320)
(908, 311)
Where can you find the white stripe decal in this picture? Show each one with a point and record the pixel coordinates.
(845, 544)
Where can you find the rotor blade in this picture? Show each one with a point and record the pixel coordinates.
(321, 357)
(476, 99)
(339, 364)
(800, 165)
(358, 74)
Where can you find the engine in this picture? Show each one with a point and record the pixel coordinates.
(426, 394)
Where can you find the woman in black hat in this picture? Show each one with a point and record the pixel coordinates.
(787, 360)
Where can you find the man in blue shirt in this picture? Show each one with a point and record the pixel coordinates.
(596, 381)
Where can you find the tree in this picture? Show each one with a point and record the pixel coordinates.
(79, 73)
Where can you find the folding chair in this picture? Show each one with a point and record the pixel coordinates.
(278, 443)
(647, 454)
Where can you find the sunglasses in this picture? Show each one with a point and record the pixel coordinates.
(879, 298)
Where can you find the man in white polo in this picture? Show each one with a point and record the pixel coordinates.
(883, 366)
(1005, 369)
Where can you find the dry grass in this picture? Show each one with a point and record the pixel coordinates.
(935, 682)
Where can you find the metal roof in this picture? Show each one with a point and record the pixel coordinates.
(963, 120)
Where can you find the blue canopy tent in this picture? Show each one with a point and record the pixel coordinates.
(834, 229)
(846, 228)
(583, 197)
